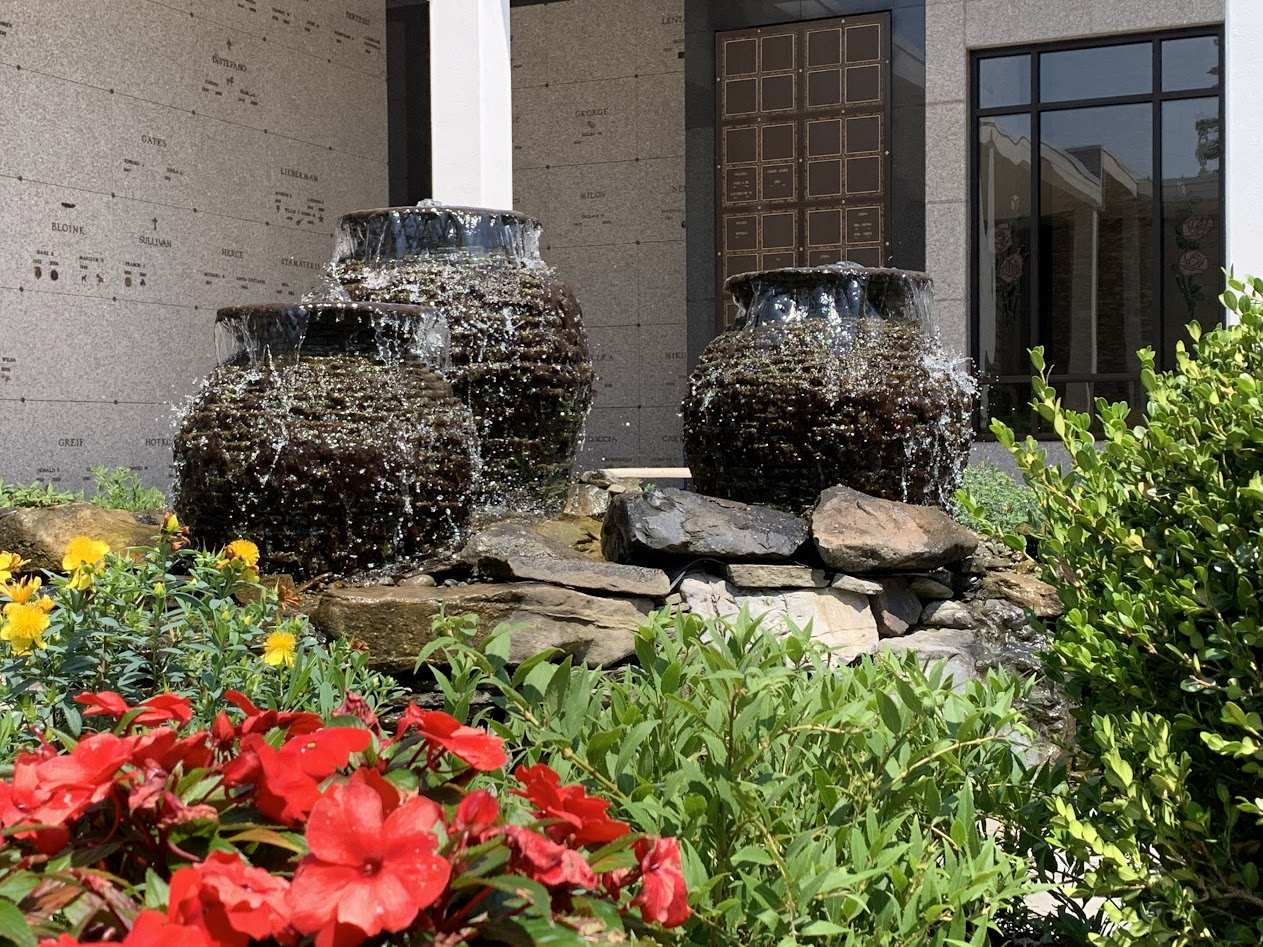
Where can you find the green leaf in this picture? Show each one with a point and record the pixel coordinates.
(13, 926)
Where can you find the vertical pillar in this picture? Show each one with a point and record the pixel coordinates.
(471, 113)
(1243, 78)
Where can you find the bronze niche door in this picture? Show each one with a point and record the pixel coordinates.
(803, 146)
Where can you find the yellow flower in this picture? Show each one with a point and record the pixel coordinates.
(10, 563)
(83, 551)
(22, 592)
(243, 550)
(170, 523)
(279, 648)
(24, 627)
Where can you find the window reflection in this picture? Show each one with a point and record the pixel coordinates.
(1004, 81)
(1096, 73)
(1191, 63)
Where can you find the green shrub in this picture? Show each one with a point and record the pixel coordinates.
(992, 502)
(118, 488)
(1154, 542)
(189, 622)
(33, 495)
(839, 805)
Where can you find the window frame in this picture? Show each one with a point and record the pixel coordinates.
(1035, 109)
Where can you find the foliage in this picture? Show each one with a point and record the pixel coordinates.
(33, 495)
(116, 488)
(834, 804)
(168, 618)
(1154, 542)
(992, 502)
(278, 827)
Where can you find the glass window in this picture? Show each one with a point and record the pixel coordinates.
(1191, 63)
(1004, 81)
(1121, 244)
(1096, 73)
(1192, 217)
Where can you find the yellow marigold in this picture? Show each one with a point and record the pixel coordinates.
(83, 551)
(279, 649)
(243, 550)
(10, 564)
(24, 627)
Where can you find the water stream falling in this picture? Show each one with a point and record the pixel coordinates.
(832, 375)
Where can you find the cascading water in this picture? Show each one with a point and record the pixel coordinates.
(328, 436)
(520, 358)
(832, 375)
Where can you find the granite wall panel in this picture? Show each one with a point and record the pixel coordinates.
(164, 158)
(598, 100)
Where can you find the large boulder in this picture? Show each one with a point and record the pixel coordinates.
(512, 549)
(761, 575)
(41, 534)
(957, 647)
(896, 608)
(842, 621)
(396, 622)
(857, 533)
(677, 523)
(1023, 590)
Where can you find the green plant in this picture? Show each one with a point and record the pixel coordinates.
(994, 503)
(190, 622)
(1153, 537)
(119, 488)
(33, 495)
(840, 805)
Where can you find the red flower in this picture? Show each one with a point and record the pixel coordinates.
(369, 869)
(282, 791)
(353, 705)
(580, 818)
(232, 901)
(477, 813)
(547, 862)
(261, 721)
(479, 749)
(663, 897)
(157, 709)
(322, 753)
(165, 749)
(151, 929)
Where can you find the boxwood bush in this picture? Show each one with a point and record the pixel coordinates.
(1153, 538)
(869, 805)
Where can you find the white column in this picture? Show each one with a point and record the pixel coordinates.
(1243, 80)
(471, 105)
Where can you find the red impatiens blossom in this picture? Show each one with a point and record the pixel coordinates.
(370, 870)
(233, 902)
(353, 705)
(261, 721)
(545, 861)
(287, 781)
(477, 813)
(151, 929)
(663, 897)
(481, 750)
(579, 818)
(158, 709)
(325, 751)
(165, 749)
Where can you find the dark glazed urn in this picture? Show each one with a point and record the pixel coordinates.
(327, 436)
(520, 358)
(832, 375)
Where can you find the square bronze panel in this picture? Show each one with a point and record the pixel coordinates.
(779, 142)
(824, 137)
(740, 97)
(740, 57)
(863, 224)
(863, 175)
(824, 178)
(741, 233)
(825, 257)
(863, 43)
(865, 256)
(741, 185)
(741, 145)
(741, 263)
(824, 227)
(778, 183)
(863, 84)
(863, 134)
(778, 53)
(824, 47)
(824, 88)
(776, 261)
(778, 230)
(778, 93)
